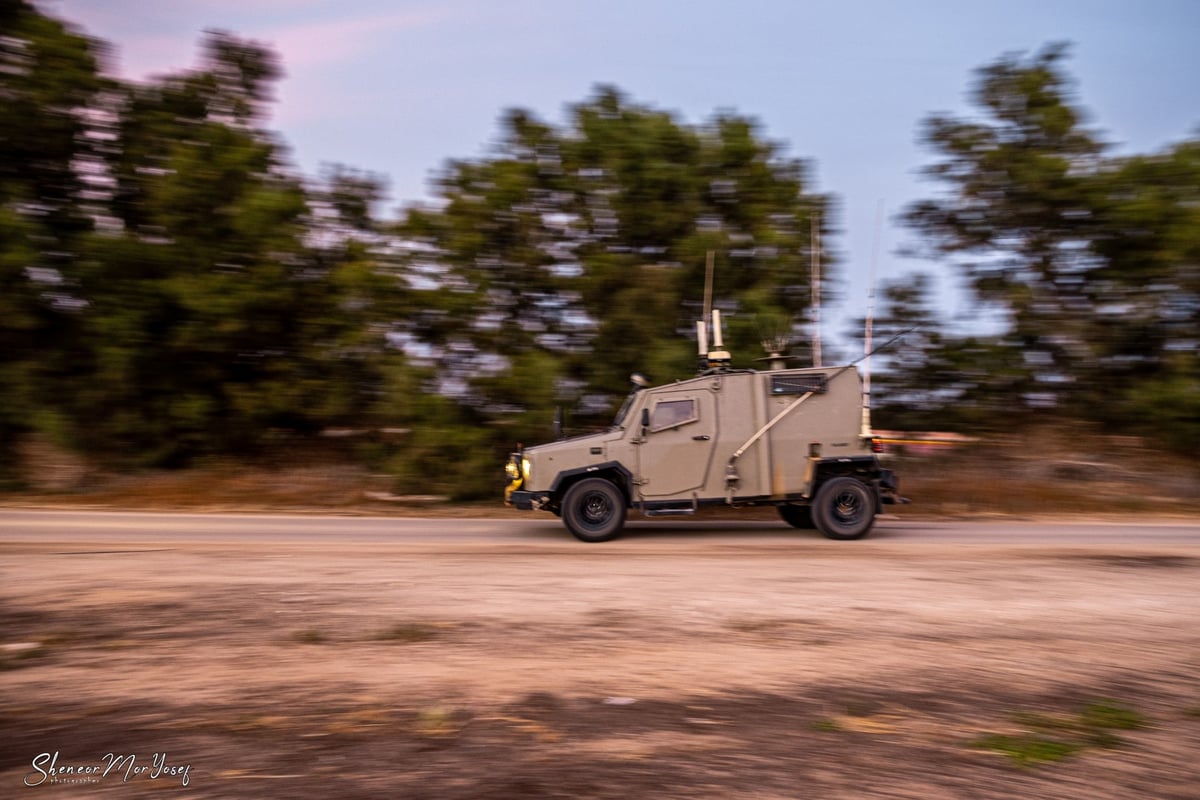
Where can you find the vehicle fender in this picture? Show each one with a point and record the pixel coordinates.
(613, 470)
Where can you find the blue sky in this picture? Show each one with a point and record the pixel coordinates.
(398, 86)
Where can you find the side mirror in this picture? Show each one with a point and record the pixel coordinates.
(645, 420)
(558, 423)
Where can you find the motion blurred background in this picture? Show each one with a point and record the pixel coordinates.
(192, 274)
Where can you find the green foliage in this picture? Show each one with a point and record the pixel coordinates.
(1027, 749)
(48, 74)
(574, 256)
(1018, 218)
(170, 288)
(202, 299)
(1107, 715)
(1091, 260)
(1048, 738)
(200, 309)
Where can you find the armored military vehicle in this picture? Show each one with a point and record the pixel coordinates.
(797, 439)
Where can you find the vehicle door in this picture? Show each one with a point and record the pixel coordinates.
(678, 449)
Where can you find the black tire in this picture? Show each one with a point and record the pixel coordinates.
(844, 509)
(797, 516)
(594, 510)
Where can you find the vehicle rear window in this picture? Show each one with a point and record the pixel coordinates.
(797, 384)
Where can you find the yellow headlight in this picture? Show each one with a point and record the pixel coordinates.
(526, 469)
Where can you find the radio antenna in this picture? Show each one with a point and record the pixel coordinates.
(816, 288)
(866, 397)
(708, 286)
(717, 357)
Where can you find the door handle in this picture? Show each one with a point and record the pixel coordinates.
(704, 437)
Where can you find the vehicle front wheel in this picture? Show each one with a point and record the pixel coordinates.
(844, 509)
(594, 510)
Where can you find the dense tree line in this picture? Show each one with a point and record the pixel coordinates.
(1093, 261)
(171, 287)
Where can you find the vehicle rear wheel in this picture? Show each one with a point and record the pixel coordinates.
(844, 509)
(797, 516)
(594, 510)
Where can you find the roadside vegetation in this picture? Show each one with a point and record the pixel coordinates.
(1066, 471)
(1046, 738)
(173, 294)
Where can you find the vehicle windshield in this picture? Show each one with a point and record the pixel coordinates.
(620, 419)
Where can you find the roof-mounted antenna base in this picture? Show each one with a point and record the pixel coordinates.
(718, 359)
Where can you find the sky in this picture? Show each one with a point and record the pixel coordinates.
(397, 87)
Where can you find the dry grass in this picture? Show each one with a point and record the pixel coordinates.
(1050, 472)
(1043, 472)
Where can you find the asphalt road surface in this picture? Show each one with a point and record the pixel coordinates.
(143, 528)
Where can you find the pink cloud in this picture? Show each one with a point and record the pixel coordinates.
(161, 38)
(313, 44)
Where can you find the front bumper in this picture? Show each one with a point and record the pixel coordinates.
(523, 500)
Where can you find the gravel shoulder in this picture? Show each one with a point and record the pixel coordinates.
(694, 668)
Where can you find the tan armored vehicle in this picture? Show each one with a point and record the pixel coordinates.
(797, 439)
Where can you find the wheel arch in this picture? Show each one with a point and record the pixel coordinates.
(612, 471)
(865, 469)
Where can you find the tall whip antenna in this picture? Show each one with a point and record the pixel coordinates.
(816, 288)
(717, 357)
(866, 410)
(708, 285)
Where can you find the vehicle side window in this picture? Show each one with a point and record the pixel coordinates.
(797, 384)
(672, 413)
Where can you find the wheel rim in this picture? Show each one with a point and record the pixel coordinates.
(847, 507)
(596, 509)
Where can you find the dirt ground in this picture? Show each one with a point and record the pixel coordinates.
(689, 669)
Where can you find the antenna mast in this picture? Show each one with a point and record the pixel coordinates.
(705, 311)
(816, 288)
(708, 285)
(866, 411)
(717, 357)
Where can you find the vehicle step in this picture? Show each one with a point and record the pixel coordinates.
(669, 512)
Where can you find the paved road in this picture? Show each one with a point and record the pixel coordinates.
(143, 528)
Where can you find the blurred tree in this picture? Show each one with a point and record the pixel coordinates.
(1018, 218)
(235, 300)
(202, 295)
(930, 379)
(48, 79)
(191, 316)
(1146, 295)
(171, 288)
(1093, 260)
(575, 255)
(350, 296)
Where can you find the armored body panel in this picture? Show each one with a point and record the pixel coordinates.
(789, 438)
